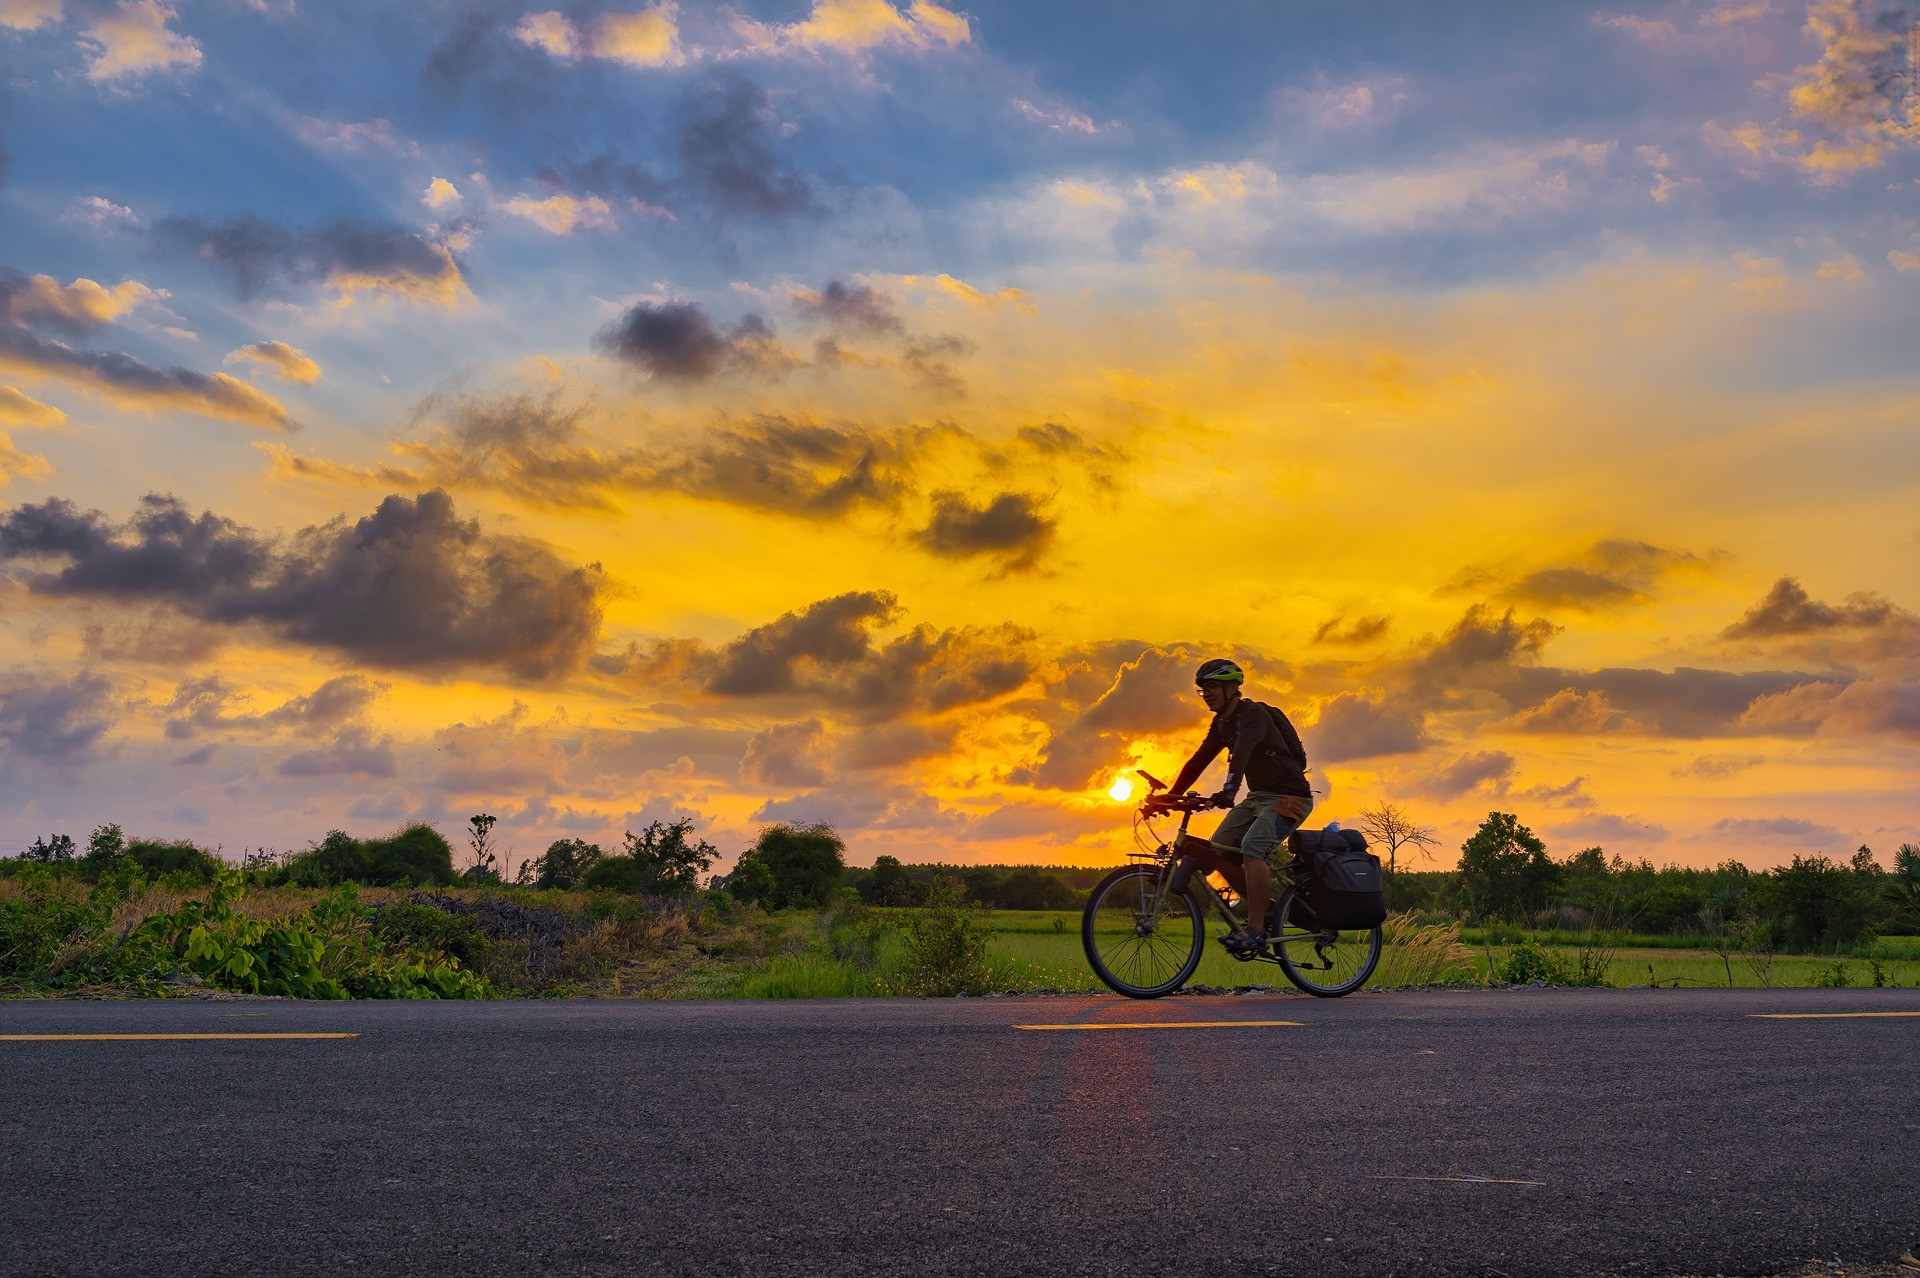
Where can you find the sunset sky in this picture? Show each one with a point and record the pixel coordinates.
(872, 413)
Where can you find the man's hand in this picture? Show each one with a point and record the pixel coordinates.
(1225, 798)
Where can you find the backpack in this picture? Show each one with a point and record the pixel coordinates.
(1339, 879)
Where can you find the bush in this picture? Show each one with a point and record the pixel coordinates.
(798, 865)
(425, 928)
(1527, 962)
(175, 859)
(416, 854)
(944, 951)
(562, 865)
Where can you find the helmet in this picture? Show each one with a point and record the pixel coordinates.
(1221, 669)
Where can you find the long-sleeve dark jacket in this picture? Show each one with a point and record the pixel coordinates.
(1261, 745)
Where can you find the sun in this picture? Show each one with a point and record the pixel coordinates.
(1122, 790)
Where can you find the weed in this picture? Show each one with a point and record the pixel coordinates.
(1528, 962)
(945, 948)
(1837, 977)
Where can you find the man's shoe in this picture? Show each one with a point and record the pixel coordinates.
(1247, 943)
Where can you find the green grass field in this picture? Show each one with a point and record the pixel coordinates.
(1045, 947)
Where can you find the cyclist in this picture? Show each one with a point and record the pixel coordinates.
(1264, 750)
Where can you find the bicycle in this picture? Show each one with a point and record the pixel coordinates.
(1144, 937)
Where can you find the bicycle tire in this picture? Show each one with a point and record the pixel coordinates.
(1325, 965)
(1146, 964)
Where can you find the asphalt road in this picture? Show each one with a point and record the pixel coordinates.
(1520, 1132)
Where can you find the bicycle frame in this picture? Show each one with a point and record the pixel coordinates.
(1167, 857)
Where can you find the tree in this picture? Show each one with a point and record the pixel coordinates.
(1587, 882)
(888, 883)
(1390, 824)
(562, 865)
(751, 881)
(1901, 889)
(669, 862)
(1504, 867)
(1863, 863)
(480, 839)
(1819, 900)
(1028, 888)
(54, 849)
(795, 865)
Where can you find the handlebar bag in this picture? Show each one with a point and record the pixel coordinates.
(1342, 884)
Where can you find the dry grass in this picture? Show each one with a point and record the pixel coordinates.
(1419, 953)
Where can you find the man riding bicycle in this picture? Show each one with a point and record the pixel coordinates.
(1264, 750)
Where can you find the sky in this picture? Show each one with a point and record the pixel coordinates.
(871, 413)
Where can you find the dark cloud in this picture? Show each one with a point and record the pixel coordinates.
(727, 134)
(352, 752)
(264, 258)
(1570, 794)
(1607, 829)
(827, 652)
(1568, 712)
(1686, 702)
(1788, 610)
(778, 656)
(1012, 526)
(678, 342)
(410, 586)
(1572, 588)
(1489, 771)
(1364, 726)
(797, 468)
(1477, 648)
(1359, 630)
(1610, 573)
(1792, 831)
(1147, 692)
(857, 307)
(56, 722)
(207, 704)
(1710, 767)
(125, 381)
(787, 755)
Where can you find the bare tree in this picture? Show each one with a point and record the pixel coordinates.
(1390, 824)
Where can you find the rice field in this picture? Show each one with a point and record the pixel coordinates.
(1045, 948)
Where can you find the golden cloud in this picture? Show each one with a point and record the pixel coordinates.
(132, 38)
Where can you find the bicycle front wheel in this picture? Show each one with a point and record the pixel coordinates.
(1322, 962)
(1142, 939)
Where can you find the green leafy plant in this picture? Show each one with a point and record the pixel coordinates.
(1529, 961)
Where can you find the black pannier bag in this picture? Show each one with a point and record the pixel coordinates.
(1339, 878)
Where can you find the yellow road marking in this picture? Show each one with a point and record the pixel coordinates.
(145, 1038)
(1120, 1025)
(1463, 1180)
(1821, 1016)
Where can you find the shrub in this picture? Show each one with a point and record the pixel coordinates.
(1837, 977)
(562, 865)
(1528, 962)
(416, 854)
(425, 928)
(802, 865)
(176, 859)
(944, 951)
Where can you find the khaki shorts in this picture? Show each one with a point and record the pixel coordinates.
(1260, 823)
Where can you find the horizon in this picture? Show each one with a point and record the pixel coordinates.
(871, 413)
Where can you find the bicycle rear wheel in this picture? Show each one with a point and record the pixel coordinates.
(1320, 962)
(1142, 939)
